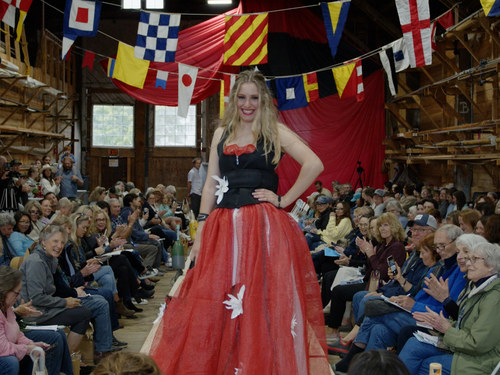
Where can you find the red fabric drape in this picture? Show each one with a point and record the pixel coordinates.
(341, 132)
(200, 46)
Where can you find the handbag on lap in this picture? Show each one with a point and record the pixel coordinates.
(374, 281)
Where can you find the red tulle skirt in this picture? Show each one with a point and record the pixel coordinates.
(258, 255)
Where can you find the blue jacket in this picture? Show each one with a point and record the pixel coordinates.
(456, 283)
(19, 243)
(138, 233)
(413, 270)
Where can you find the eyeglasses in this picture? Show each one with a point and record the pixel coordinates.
(320, 204)
(419, 230)
(16, 293)
(472, 260)
(442, 246)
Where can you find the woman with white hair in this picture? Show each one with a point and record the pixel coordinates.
(394, 207)
(470, 344)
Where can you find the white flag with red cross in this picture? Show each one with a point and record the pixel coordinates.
(414, 17)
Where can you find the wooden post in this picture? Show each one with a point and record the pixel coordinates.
(140, 144)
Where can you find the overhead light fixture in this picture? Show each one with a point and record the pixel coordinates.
(217, 2)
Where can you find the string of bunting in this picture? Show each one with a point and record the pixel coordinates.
(245, 43)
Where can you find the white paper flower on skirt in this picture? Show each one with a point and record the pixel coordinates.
(223, 187)
(294, 324)
(235, 304)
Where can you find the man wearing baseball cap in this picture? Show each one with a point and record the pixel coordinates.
(323, 207)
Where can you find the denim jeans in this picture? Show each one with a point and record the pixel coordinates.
(106, 278)
(9, 365)
(380, 332)
(108, 296)
(358, 304)
(103, 336)
(417, 356)
(58, 359)
(313, 240)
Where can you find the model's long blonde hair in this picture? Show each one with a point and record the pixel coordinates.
(265, 123)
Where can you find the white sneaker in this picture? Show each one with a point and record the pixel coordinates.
(185, 236)
(143, 302)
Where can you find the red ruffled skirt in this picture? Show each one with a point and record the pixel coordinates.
(256, 260)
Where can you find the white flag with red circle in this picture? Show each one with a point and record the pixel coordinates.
(187, 80)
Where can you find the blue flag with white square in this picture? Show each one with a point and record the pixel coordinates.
(157, 37)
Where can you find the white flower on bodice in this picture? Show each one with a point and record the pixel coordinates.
(235, 303)
(223, 187)
(294, 324)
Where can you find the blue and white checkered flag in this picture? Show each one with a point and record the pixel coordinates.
(157, 37)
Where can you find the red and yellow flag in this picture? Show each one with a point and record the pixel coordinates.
(245, 42)
(311, 86)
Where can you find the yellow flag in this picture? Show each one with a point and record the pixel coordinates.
(128, 68)
(342, 74)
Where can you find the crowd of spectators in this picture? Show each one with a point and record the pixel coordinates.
(419, 268)
(65, 263)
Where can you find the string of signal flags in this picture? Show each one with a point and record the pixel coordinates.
(245, 44)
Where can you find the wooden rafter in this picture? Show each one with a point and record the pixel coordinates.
(461, 37)
(485, 24)
(394, 110)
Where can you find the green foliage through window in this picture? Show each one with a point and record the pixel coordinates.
(113, 126)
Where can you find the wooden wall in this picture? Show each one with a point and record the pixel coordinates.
(445, 102)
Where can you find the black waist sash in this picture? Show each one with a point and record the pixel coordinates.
(242, 183)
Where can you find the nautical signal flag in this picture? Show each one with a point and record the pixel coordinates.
(128, 68)
(111, 67)
(491, 8)
(291, 93)
(187, 80)
(13, 13)
(161, 79)
(311, 86)
(446, 20)
(225, 89)
(387, 59)
(157, 37)
(400, 53)
(334, 16)
(349, 80)
(245, 41)
(81, 18)
(88, 60)
(414, 16)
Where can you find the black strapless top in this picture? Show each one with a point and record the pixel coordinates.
(245, 172)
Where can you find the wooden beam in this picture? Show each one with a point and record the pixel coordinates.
(462, 88)
(461, 37)
(394, 110)
(15, 130)
(391, 143)
(424, 70)
(450, 111)
(416, 98)
(486, 24)
(488, 172)
(446, 62)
